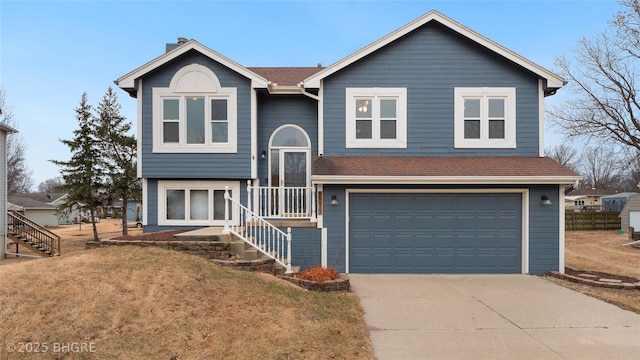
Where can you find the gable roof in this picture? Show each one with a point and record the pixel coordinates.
(128, 82)
(590, 192)
(441, 170)
(285, 76)
(553, 81)
(28, 203)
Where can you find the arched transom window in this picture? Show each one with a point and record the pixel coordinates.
(195, 113)
(289, 157)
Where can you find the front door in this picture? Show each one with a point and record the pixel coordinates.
(290, 196)
(289, 179)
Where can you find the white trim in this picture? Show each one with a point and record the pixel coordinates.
(197, 81)
(525, 230)
(127, 81)
(484, 94)
(553, 80)
(540, 118)
(319, 216)
(525, 213)
(321, 119)
(399, 94)
(441, 180)
(145, 201)
(254, 134)
(561, 231)
(163, 185)
(281, 149)
(323, 247)
(139, 126)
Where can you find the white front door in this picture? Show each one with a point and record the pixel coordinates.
(289, 167)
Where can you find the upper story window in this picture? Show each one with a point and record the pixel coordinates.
(376, 117)
(195, 114)
(485, 117)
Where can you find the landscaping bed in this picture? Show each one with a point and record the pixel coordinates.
(601, 254)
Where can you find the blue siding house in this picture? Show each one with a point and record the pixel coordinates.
(420, 153)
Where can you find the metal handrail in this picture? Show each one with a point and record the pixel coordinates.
(38, 235)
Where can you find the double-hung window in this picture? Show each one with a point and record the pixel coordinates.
(195, 202)
(485, 117)
(195, 114)
(376, 117)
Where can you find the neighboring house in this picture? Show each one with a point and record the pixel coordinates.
(37, 211)
(65, 215)
(420, 153)
(133, 210)
(4, 132)
(630, 214)
(585, 199)
(616, 202)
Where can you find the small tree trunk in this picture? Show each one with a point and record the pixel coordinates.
(95, 228)
(125, 230)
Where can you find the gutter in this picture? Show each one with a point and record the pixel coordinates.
(442, 180)
(298, 89)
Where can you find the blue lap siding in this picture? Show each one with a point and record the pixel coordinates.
(430, 62)
(197, 165)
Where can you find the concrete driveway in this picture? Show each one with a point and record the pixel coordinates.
(491, 317)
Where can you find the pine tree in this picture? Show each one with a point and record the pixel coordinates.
(118, 153)
(83, 174)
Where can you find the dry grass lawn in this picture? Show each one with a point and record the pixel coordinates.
(149, 303)
(603, 251)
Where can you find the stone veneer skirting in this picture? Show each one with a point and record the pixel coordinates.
(214, 250)
(340, 284)
(267, 266)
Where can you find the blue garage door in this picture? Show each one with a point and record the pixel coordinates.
(435, 233)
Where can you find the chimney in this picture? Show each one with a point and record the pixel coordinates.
(171, 46)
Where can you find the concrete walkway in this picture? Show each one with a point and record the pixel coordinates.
(491, 317)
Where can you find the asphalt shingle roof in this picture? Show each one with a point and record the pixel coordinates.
(285, 76)
(454, 166)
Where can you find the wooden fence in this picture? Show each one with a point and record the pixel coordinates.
(591, 221)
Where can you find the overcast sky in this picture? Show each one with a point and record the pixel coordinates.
(53, 51)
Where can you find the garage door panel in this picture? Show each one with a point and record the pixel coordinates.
(435, 233)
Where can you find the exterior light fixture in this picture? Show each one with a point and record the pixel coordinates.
(334, 200)
(545, 200)
(263, 155)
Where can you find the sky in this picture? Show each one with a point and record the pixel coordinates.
(53, 51)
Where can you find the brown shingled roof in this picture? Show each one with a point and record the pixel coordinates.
(440, 166)
(287, 76)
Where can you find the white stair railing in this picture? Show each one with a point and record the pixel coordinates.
(257, 232)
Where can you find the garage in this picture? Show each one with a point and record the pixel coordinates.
(435, 233)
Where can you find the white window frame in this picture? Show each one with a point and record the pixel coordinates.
(195, 81)
(376, 94)
(163, 186)
(484, 94)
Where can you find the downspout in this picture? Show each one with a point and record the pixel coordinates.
(308, 94)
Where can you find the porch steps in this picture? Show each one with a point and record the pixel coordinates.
(29, 244)
(205, 234)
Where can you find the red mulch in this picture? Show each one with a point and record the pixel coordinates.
(319, 274)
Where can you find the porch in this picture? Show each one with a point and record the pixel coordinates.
(282, 202)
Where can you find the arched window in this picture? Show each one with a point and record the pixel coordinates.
(289, 157)
(195, 113)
